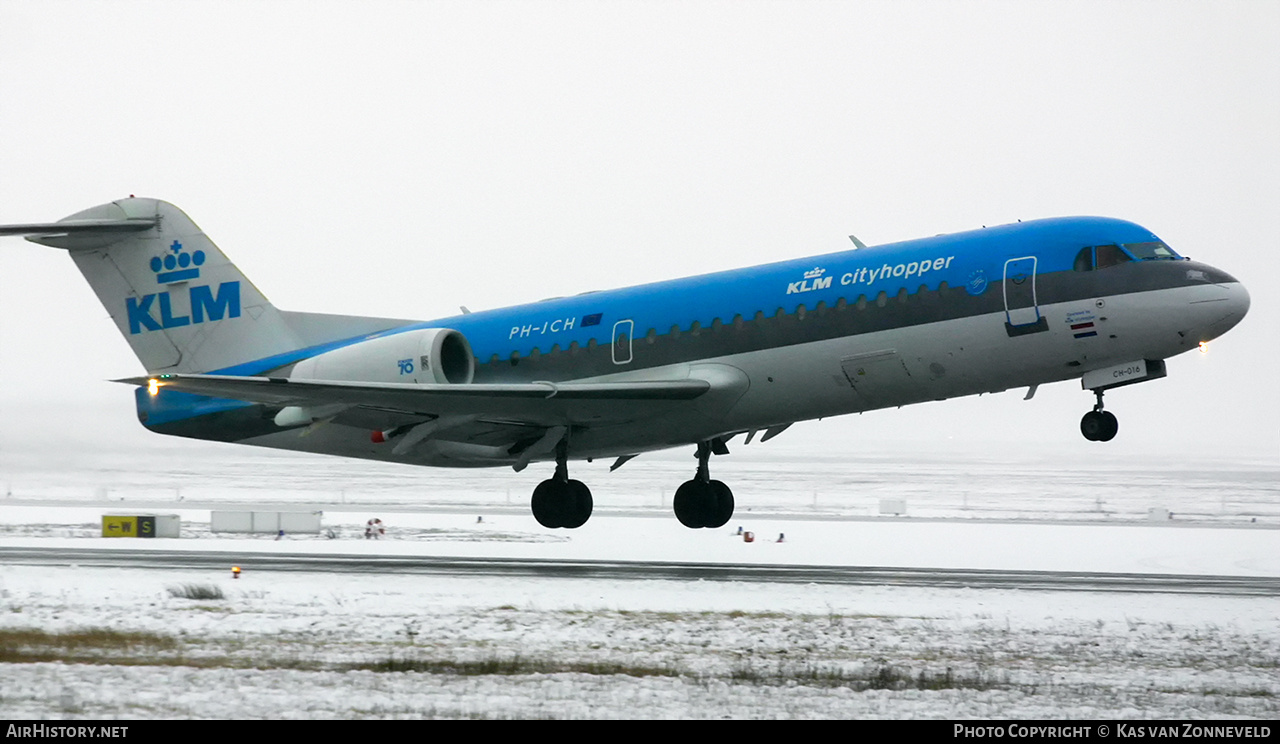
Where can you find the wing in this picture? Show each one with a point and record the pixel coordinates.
(483, 423)
(541, 404)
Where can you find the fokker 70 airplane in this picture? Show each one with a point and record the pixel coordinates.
(687, 362)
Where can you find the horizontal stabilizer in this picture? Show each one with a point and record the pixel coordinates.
(87, 228)
(542, 403)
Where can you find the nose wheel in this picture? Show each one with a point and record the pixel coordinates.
(1099, 425)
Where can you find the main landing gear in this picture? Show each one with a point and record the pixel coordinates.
(1099, 425)
(702, 502)
(559, 501)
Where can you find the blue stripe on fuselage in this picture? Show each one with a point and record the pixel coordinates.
(681, 302)
(702, 299)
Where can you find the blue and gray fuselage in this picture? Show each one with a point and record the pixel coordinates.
(953, 315)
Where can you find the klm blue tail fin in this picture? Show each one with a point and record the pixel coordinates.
(177, 300)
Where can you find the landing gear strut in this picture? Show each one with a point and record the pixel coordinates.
(559, 501)
(702, 502)
(1099, 425)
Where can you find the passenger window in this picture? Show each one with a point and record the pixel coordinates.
(1084, 260)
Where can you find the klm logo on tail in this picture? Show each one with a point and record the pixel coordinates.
(205, 304)
(187, 265)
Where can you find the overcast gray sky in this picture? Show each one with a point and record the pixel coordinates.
(401, 159)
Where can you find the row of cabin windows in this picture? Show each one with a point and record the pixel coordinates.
(738, 323)
(1088, 259)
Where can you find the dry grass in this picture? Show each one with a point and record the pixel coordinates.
(88, 645)
(510, 665)
(196, 591)
(876, 677)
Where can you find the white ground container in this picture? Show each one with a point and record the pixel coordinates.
(266, 522)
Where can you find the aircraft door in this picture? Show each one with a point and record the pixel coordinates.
(1022, 313)
(622, 332)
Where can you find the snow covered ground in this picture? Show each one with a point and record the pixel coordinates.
(283, 644)
(84, 642)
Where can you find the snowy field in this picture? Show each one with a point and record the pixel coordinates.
(806, 480)
(84, 642)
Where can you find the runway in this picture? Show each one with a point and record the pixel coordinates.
(649, 570)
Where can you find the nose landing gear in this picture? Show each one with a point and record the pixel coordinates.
(1099, 425)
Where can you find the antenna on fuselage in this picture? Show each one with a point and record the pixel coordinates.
(857, 243)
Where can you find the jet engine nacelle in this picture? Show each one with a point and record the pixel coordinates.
(427, 356)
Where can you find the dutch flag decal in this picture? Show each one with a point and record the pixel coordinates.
(1083, 330)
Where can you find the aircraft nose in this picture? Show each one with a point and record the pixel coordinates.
(1225, 312)
(1238, 304)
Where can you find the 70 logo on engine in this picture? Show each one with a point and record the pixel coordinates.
(406, 366)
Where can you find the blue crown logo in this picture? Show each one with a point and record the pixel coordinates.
(176, 266)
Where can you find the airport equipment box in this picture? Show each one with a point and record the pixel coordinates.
(266, 522)
(162, 525)
(895, 507)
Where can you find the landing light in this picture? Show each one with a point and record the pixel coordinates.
(153, 386)
(1204, 347)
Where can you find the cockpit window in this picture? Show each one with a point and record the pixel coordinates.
(1154, 250)
(1110, 255)
(1102, 256)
